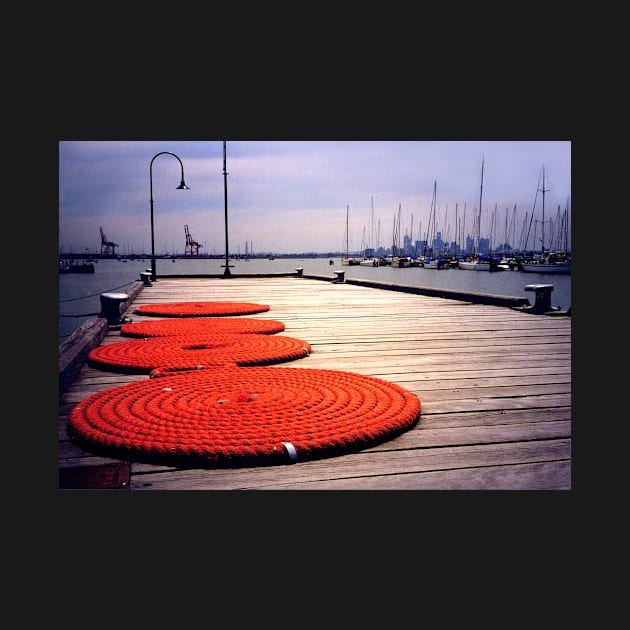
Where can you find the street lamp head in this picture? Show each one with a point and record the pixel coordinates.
(183, 186)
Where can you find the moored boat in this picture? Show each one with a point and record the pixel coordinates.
(439, 262)
(475, 263)
(547, 261)
(552, 262)
(400, 261)
(66, 266)
(370, 262)
(348, 260)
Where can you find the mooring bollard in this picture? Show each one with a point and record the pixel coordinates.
(542, 302)
(110, 307)
(145, 276)
(341, 274)
(299, 271)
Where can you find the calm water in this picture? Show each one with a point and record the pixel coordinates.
(79, 294)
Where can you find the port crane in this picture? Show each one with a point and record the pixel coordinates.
(192, 247)
(107, 247)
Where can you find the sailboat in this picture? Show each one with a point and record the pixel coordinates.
(436, 260)
(398, 260)
(476, 262)
(347, 260)
(369, 260)
(547, 261)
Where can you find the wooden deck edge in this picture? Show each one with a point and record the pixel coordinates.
(73, 352)
(220, 276)
(466, 296)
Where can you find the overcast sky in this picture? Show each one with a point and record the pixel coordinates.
(291, 196)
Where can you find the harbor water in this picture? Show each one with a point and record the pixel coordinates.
(79, 294)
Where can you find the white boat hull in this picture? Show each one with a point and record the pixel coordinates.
(545, 268)
(473, 266)
(436, 264)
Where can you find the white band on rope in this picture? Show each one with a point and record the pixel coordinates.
(291, 450)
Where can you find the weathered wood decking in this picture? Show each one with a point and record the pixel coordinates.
(494, 383)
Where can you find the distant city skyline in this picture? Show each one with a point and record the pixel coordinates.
(292, 196)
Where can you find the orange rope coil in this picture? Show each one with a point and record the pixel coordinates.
(189, 352)
(244, 416)
(201, 309)
(201, 325)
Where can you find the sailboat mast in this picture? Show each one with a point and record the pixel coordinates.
(543, 211)
(456, 230)
(566, 226)
(398, 230)
(464, 245)
(372, 226)
(433, 229)
(447, 234)
(394, 238)
(478, 233)
(347, 218)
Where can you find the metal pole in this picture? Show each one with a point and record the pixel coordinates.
(182, 186)
(226, 272)
(153, 269)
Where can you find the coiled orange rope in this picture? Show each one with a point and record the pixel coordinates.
(243, 416)
(201, 309)
(201, 325)
(188, 352)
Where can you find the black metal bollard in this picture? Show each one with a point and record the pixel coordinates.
(111, 307)
(542, 302)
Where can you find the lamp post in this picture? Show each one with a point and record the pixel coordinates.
(226, 272)
(182, 186)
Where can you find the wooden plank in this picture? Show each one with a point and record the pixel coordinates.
(536, 476)
(363, 470)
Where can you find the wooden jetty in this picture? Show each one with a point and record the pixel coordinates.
(494, 383)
